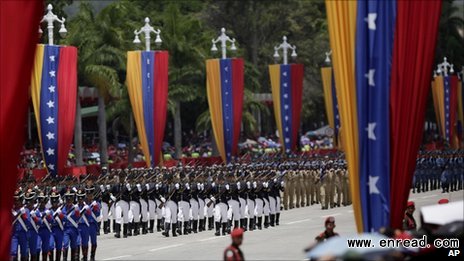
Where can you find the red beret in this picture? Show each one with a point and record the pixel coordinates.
(443, 201)
(410, 204)
(238, 232)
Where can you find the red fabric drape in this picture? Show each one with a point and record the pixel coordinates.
(160, 102)
(415, 39)
(67, 93)
(297, 97)
(18, 36)
(237, 89)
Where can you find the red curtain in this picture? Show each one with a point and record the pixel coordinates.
(160, 103)
(67, 83)
(19, 22)
(415, 39)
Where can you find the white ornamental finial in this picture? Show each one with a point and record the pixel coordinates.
(147, 29)
(442, 68)
(50, 18)
(223, 38)
(285, 47)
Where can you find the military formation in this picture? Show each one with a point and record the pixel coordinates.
(60, 218)
(439, 170)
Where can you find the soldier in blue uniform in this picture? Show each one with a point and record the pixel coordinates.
(19, 234)
(83, 223)
(45, 229)
(33, 224)
(94, 214)
(56, 239)
(71, 233)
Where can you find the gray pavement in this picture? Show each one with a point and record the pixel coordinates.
(297, 230)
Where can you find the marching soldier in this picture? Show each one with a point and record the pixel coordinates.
(234, 205)
(45, 229)
(170, 197)
(71, 233)
(83, 223)
(20, 229)
(33, 223)
(93, 219)
(57, 235)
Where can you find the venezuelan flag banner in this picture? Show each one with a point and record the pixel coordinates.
(287, 92)
(331, 104)
(54, 91)
(381, 98)
(445, 90)
(147, 84)
(460, 97)
(224, 87)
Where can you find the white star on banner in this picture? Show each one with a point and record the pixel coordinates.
(286, 129)
(50, 120)
(50, 136)
(285, 96)
(287, 140)
(285, 74)
(286, 118)
(51, 104)
(370, 130)
(370, 19)
(285, 84)
(148, 75)
(370, 76)
(226, 68)
(51, 166)
(52, 73)
(286, 106)
(373, 185)
(148, 61)
(227, 93)
(226, 81)
(51, 88)
(52, 58)
(50, 151)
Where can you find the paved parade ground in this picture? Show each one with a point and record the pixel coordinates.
(298, 228)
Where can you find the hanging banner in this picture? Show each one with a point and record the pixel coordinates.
(224, 87)
(379, 87)
(445, 90)
(287, 95)
(331, 104)
(54, 92)
(147, 85)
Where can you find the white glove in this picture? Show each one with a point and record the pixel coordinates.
(128, 186)
(36, 187)
(248, 185)
(255, 184)
(139, 187)
(265, 184)
(33, 214)
(198, 186)
(108, 187)
(275, 180)
(163, 199)
(23, 210)
(102, 188)
(213, 184)
(86, 207)
(157, 186)
(54, 189)
(177, 186)
(202, 186)
(213, 199)
(282, 184)
(187, 186)
(227, 187)
(238, 185)
(58, 211)
(74, 189)
(147, 186)
(113, 198)
(47, 212)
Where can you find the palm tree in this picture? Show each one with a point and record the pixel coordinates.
(101, 59)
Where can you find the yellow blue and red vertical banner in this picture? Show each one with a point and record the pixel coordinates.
(225, 87)
(446, 97)
(381, 95)
(331, 104)
(54, 93)
(460, 124)
(147, 84)
(287, 94)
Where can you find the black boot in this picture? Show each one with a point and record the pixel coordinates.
(57, 255)
(65, 254)
(144, 227)
(174, 230)
(98, 228)
(229, 226)
(117, 230)
(266, 221)
(114, 225)
(92, 253)
(277, 219)
(125, 230)
(272, 218)
(85, 251)
(179, 228)
(200, 225)
(44, 256)
(252, 224)
(158, 224)
(218, 229)
(166, 229)
(162, 222)
(74, 254)
(195, 226)
(210, 223)
(224, 228)
(77, 254)
(236, 224)
(130, 226)
(152, 224)
(204, 224)
(136, 228)
(106, 227)
(260, 221)
(242, 223)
